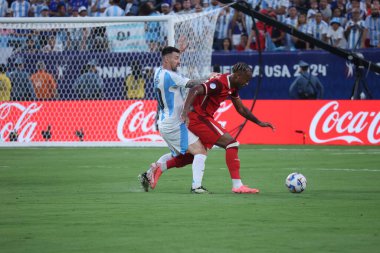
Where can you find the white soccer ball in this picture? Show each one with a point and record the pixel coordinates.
(296, 182)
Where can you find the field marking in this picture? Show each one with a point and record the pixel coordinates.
(336, 169)
(356, 153)
(353, 170)
(4, 166)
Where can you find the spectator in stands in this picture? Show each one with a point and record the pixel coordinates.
(153, 35)
(227, 45)
(303, 27)
(89, 85)
(280, 7)
(166, 9)
(44, 84)
(131, 8)
(238, 26)
(335, 34)
(356, 4)
(306, 86)
(98, 7)
(5, 84)
(355, 31)
(22, 88)
(3, 7)
(36, 7)
(53, 7)
(292, 20)
(51, 45)
(198, 8)
(372, 23)
(44, 12)
(186, 7)
(114, 10)
(76, 4)
(318, 28)
(243, 43)
(177, 7)
(206, 3)
(337, 13)
(20, 8)
(222, 27)
(135, 82)
(62, 11)
(313, 10)
(325, 10)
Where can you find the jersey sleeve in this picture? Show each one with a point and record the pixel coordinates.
(212, 87)
(178, 80)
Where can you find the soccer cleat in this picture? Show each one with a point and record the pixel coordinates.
(154, 174)
(245, 189)
(200, 190)
(144, 181)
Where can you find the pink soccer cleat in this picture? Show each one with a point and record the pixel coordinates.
(154, 175)
(245, 189)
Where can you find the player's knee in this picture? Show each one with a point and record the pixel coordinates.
(197, 148)
(233, 144)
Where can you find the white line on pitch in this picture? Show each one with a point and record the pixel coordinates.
(335, 169)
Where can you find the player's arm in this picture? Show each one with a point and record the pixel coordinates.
(246, 113)
(192, 83)
(193, 93)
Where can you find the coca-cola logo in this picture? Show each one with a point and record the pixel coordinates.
(330, 124)
(22, 124)
(135, 121)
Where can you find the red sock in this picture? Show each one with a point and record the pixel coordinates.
(233, 162)
(180, 161)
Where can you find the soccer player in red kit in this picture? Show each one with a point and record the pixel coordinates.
(199, 108)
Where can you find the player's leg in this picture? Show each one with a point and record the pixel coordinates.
(200, 155)
(212, 133)
(233, 163)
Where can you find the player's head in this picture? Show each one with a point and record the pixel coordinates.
(241, 74)
(170, 58)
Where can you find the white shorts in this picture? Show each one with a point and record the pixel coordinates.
(178, 139)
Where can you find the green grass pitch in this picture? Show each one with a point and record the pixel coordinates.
(71, 200)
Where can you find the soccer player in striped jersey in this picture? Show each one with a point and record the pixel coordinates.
(184, 145)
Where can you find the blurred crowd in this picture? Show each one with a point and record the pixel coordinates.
(349, 24)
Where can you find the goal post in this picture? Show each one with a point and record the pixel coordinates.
(89, 81)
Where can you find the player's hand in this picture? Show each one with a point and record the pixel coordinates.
(185, 117)
(267, 124)
(182, 43)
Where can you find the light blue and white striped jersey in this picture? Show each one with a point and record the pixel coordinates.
(292, 22)
(317, 30)
(3, 7)
(355, 36)
(100, 4)
(114, 11)
(275, 4)
(223, 24)
(373, 26)
(37, 9)
(20, 8)
(170, 94)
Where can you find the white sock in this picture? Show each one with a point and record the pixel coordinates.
(162, 161)
(198, 170)
(236, 183)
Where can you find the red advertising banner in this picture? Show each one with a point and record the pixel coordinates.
(341, 122)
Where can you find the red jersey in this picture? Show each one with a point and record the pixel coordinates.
(217, 91)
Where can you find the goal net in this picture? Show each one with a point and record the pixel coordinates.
(89, 81)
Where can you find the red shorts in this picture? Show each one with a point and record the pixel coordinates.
(206, 128)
